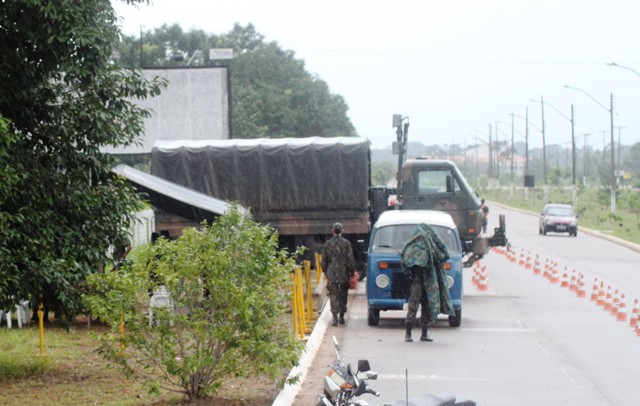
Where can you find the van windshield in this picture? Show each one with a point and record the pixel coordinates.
(392, 238)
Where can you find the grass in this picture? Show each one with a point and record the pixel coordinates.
(593, 207)
(71, 372)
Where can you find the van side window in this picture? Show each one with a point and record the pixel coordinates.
(435, 181)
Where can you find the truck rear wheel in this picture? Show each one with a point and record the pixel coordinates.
(373, 318)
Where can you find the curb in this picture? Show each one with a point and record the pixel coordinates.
(288, 394)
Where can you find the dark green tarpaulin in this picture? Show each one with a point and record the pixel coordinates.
(290, 182)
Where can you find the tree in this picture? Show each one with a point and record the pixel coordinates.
(63, 99)
(272, 94)
(230, 287)
(382, 173)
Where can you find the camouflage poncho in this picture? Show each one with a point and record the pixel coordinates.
(425, 252)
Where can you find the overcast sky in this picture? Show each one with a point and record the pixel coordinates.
(452, 67)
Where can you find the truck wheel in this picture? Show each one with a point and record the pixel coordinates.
(455, 321)
(373, 318)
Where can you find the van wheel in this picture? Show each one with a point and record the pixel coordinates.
(455, 321)
(373, 318)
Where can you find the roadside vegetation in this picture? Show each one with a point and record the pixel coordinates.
(221, 336)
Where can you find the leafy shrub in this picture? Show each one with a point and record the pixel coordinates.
(229, 285)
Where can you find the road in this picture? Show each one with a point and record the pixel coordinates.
(523, 341)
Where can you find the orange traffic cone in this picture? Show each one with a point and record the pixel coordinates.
(547, 268)
(565, 279)
(483, 282)
(536, 266)
(633, 320)
(573, 283)
(582, 290)
(622, 309)
(608, 300)
(601, 295)
(554, 277)
(616, 303)
(638, 326)
(594, 290)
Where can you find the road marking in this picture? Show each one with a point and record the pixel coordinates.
(499, 330)
(544, 350)
(429, 378)
(565, 373)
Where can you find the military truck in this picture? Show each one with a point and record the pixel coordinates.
(436, 184)
(299, 186)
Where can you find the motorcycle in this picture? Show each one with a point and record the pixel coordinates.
(341, 385)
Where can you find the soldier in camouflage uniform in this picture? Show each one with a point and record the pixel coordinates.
(338, 266)
(423, 257)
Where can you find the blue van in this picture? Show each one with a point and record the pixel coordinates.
(387, 286)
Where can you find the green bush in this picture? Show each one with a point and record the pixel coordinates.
(230, 288)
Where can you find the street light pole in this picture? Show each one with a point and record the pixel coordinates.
(613, 171)
(573, 158)
(623, 67)
(512, 129)
(544, 155)
(573, 148)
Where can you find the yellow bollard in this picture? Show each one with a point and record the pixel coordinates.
(303, 323)
(307, 280)
(318, 267)
(41, 327)
(294, 303)
(121, 334)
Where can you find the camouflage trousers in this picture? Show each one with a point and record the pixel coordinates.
(418, 299)
(338, 294)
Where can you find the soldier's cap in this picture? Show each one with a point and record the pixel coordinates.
(337, 228)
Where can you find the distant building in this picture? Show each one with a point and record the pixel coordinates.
(196, 105)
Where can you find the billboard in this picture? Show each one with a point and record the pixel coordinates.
(194, 106)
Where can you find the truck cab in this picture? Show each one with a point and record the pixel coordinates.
(436, 184)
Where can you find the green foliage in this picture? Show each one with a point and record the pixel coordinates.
(64, 99)
(272, 94)
(230, 287)
(382, 173)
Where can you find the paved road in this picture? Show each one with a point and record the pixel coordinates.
(524, 341)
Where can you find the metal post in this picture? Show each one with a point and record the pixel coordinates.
(512, 155)
(613, 165)
(544, 155)
(573, 158)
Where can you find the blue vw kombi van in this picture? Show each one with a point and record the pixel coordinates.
(387, 286)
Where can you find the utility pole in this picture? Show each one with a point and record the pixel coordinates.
(141, 52)
(512, 129)
(573, 159)
(400, 148)
(585, 160)
(544, 155)
(490, 154)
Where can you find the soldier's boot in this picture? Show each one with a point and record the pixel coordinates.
(425, 336)
(407, 336)
(335, 320)
(341, 321)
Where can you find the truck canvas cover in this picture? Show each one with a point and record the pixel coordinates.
(298, 185)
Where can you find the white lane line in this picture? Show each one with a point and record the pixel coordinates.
(565, 373)
(392, 377)
(499, 330)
